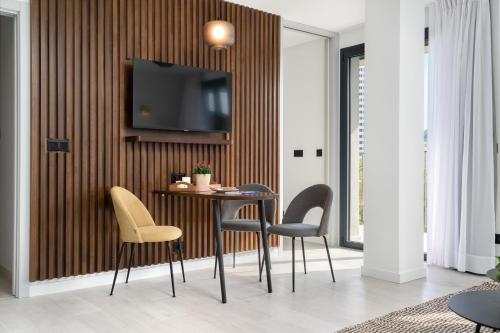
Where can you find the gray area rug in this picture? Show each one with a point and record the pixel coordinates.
(432, 316)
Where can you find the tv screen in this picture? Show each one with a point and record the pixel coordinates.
(180, 98)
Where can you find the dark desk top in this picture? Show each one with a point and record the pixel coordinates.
(219, 196)
(481, 307)
(494, 274)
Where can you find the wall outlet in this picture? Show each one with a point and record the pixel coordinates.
(298, 153)
(56, 145)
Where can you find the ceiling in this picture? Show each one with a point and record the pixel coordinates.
(333, 15)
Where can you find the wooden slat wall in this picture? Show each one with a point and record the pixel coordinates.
(81, 74)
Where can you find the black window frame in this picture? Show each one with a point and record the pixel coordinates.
(345, 152)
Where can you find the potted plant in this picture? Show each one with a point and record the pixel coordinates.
(202, 173)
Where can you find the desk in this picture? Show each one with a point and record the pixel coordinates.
(494, 274)
(216, 199)
(480, 307)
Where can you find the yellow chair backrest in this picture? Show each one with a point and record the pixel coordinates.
(130, 213)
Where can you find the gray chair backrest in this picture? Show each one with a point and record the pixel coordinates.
(319, 195)
(230, 208)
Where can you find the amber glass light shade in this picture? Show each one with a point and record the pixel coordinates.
(219, 34)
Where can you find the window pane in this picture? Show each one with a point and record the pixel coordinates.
(357, 141)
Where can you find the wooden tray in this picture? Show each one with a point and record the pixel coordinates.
(187, 187)
(219, 189)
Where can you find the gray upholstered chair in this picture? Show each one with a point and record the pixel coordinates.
(230, 222)
(292, 225)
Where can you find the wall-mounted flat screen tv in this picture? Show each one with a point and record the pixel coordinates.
(180, 98)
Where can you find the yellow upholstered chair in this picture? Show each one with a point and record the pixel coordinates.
(137, 227)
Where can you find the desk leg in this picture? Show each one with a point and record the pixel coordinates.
(218, 240)
(478, 328)
(265, 244)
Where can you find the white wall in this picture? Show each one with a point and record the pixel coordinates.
(495, 23)
(394, 152)
(7, 139)
(305, 76)
(352, 36)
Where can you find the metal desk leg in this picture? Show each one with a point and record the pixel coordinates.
(218, 240)
(265, 244)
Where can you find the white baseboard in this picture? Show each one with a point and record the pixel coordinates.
(106, 278)
(396, 277)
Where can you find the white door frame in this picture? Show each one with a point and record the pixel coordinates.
(332, 138)
(20, 270)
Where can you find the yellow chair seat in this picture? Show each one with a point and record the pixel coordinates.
(152, 234)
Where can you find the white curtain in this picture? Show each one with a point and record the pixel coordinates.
(460, 164)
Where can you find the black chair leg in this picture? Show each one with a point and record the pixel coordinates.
(303, 254)
(258, 255)
(179, 251)
(293, 264)
(117, 266)
(234, 249)
(215, 268)
(169, 252)
(264, 260)
(329, 259)
(130, 261)
(270, 262)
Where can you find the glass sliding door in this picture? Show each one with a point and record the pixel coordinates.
(352, 131)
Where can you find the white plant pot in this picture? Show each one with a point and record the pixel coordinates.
(202, 179)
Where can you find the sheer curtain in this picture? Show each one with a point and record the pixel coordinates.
(461, 194)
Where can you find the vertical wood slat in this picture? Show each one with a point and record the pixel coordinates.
(77, 142)
(81, 76)
(69, 104)
(42, 200)
(35, 230)
(84, 149)
(52, 128)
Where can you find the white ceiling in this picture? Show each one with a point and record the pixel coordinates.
(333, 15)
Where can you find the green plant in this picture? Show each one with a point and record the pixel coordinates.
(203, 168)
(498, 265)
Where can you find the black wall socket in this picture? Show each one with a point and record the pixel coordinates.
(298, 153)
(58, 145)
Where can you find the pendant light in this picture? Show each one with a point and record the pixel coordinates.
(218, 34)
